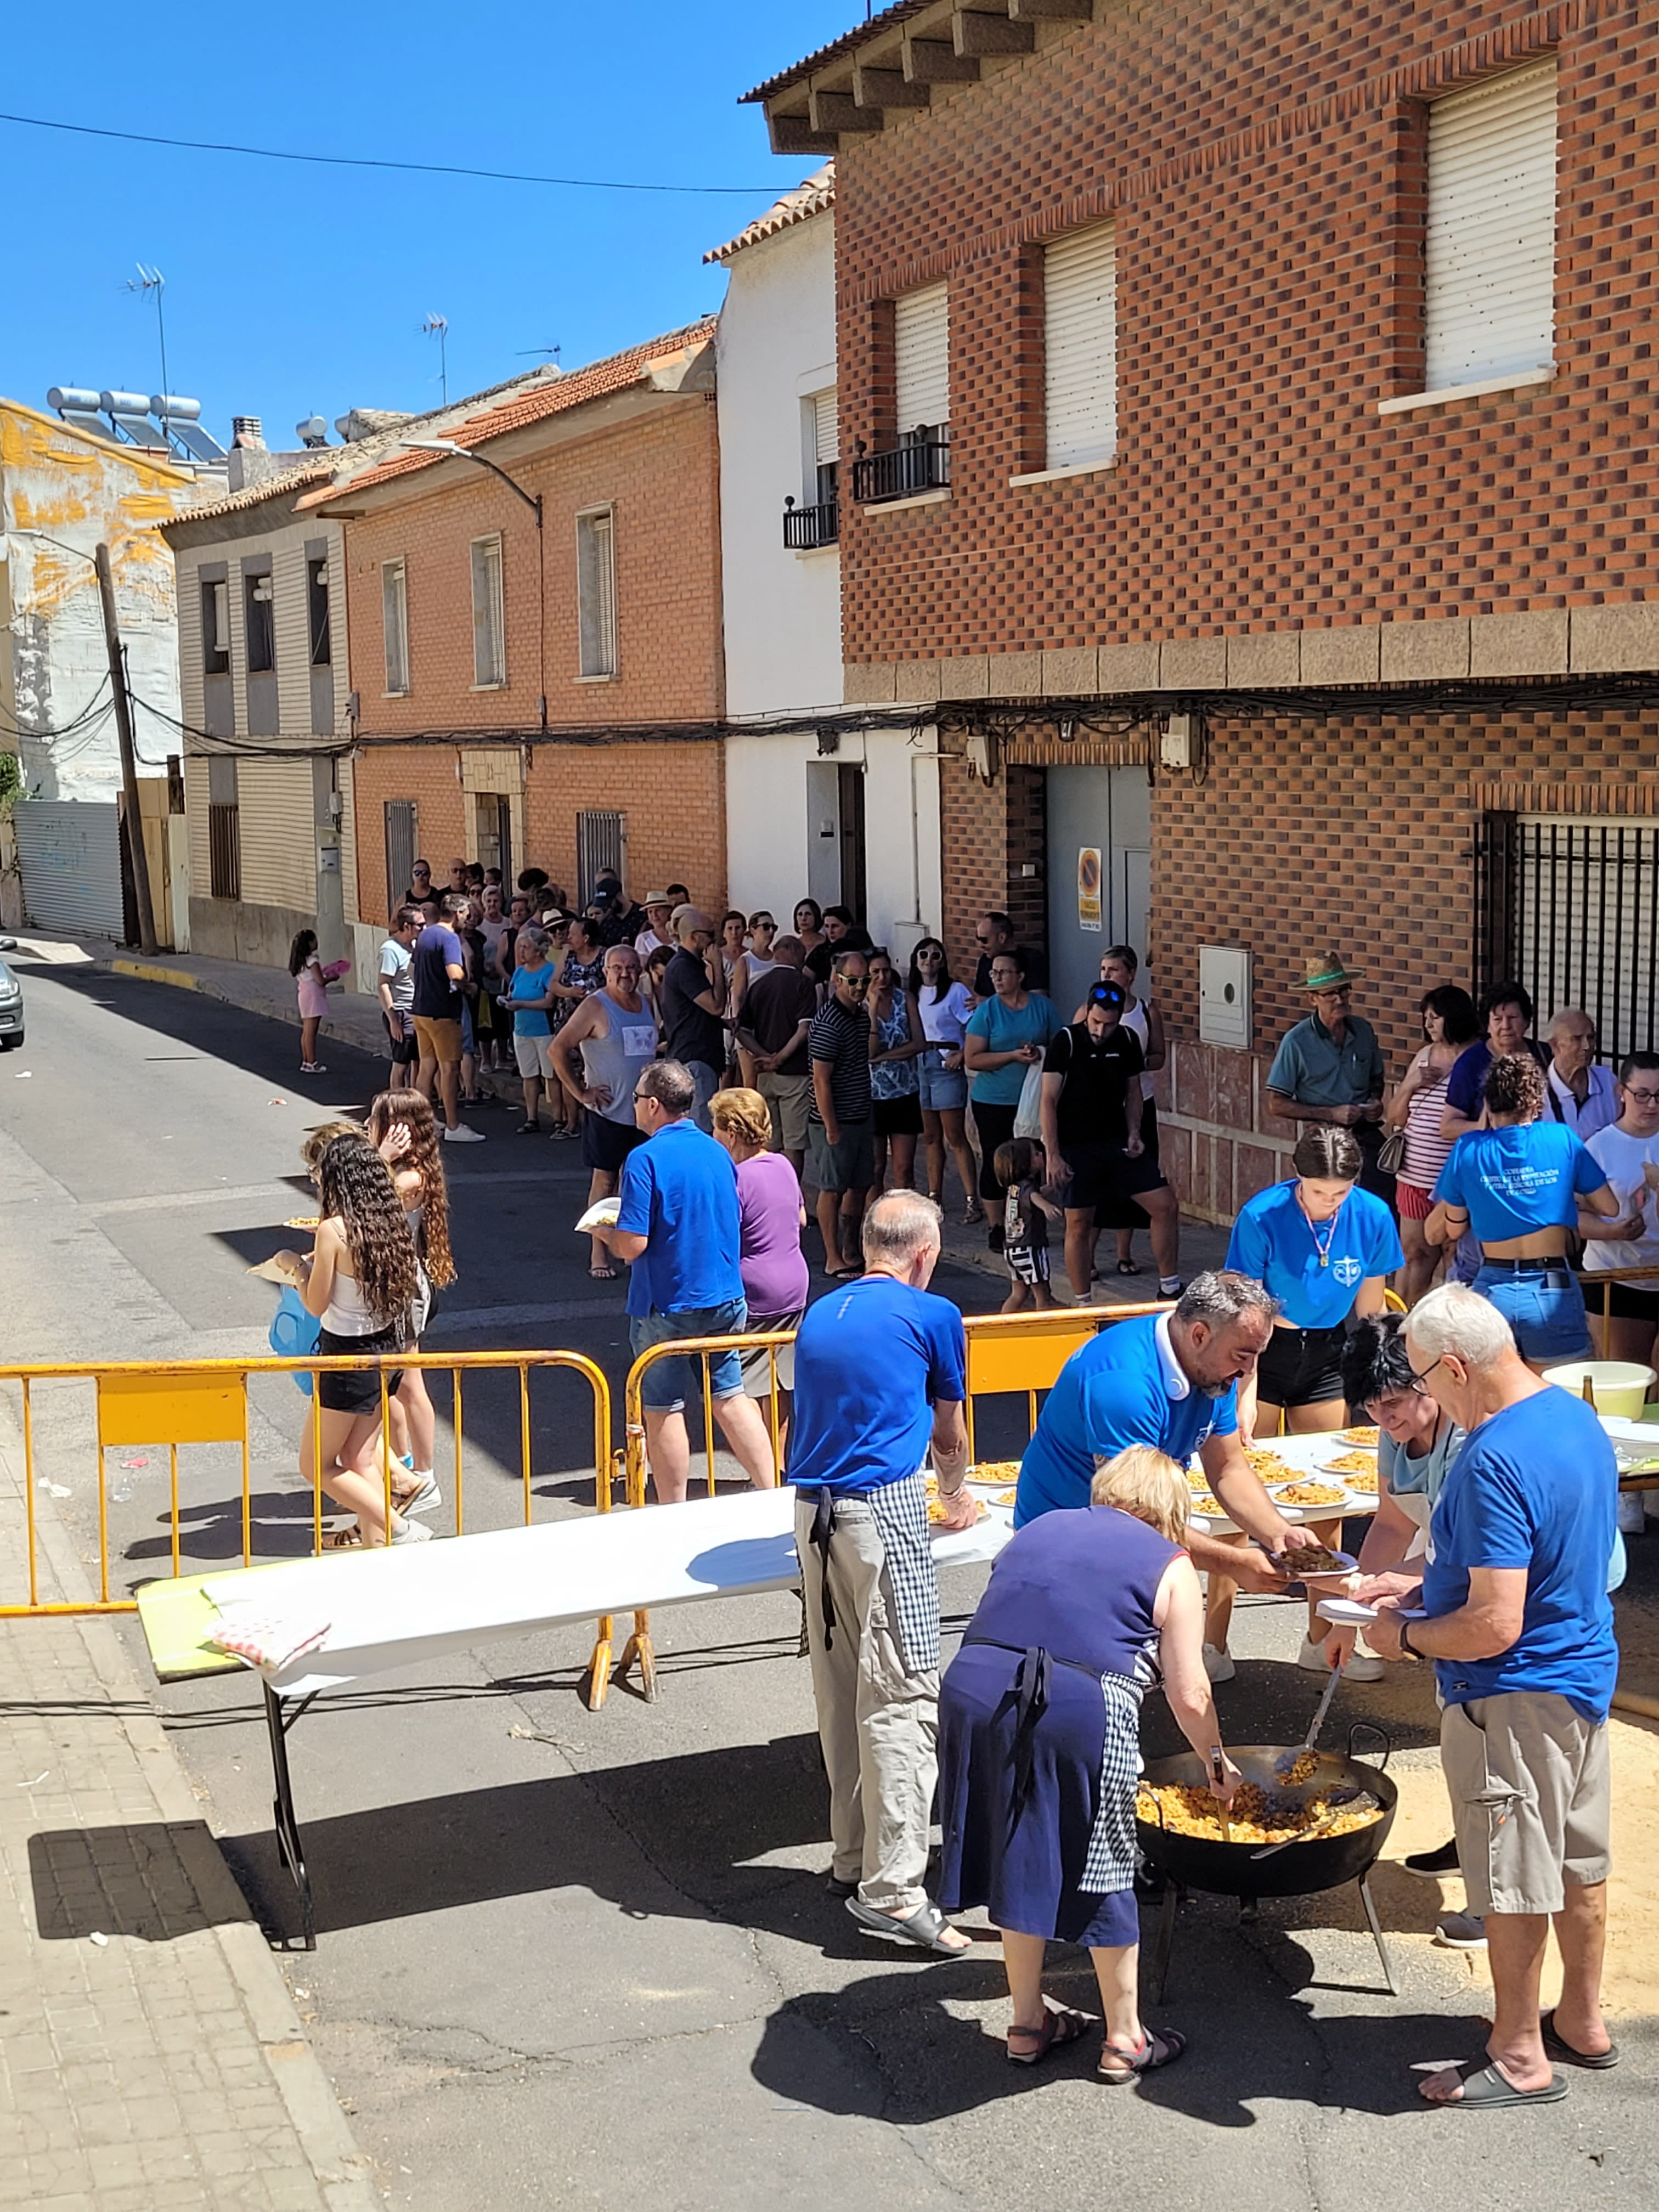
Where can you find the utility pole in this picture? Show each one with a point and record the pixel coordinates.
(118, 676)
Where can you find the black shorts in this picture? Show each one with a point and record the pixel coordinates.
(898, 1117)
(1627, 1300)
(1301, 1367)
(1106, 1179)
(606, 1144)
(405, 1053)
(359, 1393)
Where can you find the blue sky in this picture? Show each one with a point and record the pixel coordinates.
(291, 289)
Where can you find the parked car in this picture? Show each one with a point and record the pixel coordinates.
(11, 1010)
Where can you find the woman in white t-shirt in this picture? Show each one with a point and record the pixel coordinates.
(1629, 1151)
(944, 1006)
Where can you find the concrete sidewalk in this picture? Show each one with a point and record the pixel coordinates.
(151, 2053)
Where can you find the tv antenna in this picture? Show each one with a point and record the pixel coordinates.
(549, 353)
(151, 281)
(437, 326)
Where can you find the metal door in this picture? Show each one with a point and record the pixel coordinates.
(1104, 813)
(70, 853)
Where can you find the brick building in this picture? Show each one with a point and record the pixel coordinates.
(535, 663)
(1249, 418)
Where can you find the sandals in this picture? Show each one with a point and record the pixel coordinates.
(1059, 2026)
(923, 1929)
(1485, 2086)
(1558, 2047)
(528, 1129)
(349, 1539)
(1127, 1267)
(1158, 2047)
(603, 1274)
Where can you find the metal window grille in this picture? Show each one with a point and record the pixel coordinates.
(601, 835)
(596, 592)
(224, 851)
(1570, 908)
(399, 814)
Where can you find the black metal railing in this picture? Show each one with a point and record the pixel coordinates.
(1570, 910)
(920, 462)
(806, 528)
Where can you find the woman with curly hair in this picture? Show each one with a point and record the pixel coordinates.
(404, 1130)
(1519, 1182)
(363, 1281)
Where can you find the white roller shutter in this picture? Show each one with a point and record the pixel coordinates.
(1490, 245)
(826, 431)
(922, 355)
(1079, 321)
(70, 853)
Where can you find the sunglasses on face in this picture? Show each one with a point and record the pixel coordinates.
(856, 982)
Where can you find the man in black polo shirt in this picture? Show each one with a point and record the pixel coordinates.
(777, 1015)
(1091, 1070)
(693, 997)
(994, 933)
(841, 1119)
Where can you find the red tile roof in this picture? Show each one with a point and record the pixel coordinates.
(844, 44)
(814, 196)
(556, 396)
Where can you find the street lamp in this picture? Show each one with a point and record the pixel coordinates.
(454, 452)
(123, 701)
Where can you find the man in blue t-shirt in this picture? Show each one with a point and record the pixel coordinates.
(677, 1227)
(880, 1377)
(438, 962)
(1517, 1620)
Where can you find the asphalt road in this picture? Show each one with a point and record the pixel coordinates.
(586, 1959)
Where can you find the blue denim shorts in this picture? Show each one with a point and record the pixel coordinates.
(667, 1384)
(943, 1088)
(1543, 1305)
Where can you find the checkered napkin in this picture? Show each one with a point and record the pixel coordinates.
(266, 1638)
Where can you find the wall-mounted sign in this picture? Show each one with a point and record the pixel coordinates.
(1088, 887)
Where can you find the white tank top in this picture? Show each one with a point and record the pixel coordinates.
(1135, 1018)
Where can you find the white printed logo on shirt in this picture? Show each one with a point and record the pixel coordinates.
(640, 1041)
(1348, 1272)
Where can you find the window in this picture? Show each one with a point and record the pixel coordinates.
(816, 520)
(596, 592)
(322, 647)
(826, 447)
(224, 831)
(921, 360)
(399, 816)
(215, 629)
(1080, 320)
(1489, 249)
(260, 612)
(601, 847)
(394, 612)
(489, 616)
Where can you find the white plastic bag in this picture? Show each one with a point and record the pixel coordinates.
(1028, 1118)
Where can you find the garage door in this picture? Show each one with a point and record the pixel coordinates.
(70, 855)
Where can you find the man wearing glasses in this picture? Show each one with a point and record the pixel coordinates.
(1629, 1152)
(994, 933)
(841, 1119)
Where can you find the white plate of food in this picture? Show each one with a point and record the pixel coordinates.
(1308, 1498)
(1349, 1467)
(1209, 1517)
(603, 1215)
(1349, 1613)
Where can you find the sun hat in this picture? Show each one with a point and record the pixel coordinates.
(656, 898)
(1326, 971)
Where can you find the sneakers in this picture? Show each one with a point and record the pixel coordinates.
(313, 1068)
(1361, 1667)
(411, 1532)
(1462, 1932)
(1169, 1287)
(460, 1134)
(1219, 1665)
(1431, 1865)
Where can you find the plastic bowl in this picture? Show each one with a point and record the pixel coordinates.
(1617, 1386)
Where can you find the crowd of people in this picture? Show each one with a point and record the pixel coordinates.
(708, 1068)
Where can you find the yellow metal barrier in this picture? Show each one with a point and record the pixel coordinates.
(205, 1401)
(1007, 1353)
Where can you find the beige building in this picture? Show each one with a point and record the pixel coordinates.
(263, 683)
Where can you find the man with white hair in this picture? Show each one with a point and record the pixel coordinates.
(880, 1376)
(1583, 1093)
(1516, 1618)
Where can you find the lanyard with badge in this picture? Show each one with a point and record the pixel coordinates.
(1321, 1245)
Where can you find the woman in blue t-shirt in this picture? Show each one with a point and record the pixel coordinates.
(1324, 1249)
(1006, 1037)
(1518, 1184)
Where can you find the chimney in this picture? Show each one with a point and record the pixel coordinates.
(246, 432)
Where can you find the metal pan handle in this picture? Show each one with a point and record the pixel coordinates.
(1371, 1727)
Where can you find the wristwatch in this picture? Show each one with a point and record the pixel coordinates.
(1405, 1644)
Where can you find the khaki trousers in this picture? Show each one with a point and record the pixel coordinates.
(878, 1725)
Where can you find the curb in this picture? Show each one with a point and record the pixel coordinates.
(343, 2170)
(146, 971)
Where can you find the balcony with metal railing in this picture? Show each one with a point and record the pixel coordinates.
(807, 528)
(921, 461)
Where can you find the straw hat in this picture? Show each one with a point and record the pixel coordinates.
(1326, 972)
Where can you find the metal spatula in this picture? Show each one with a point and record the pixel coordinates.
(1286, 1760)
